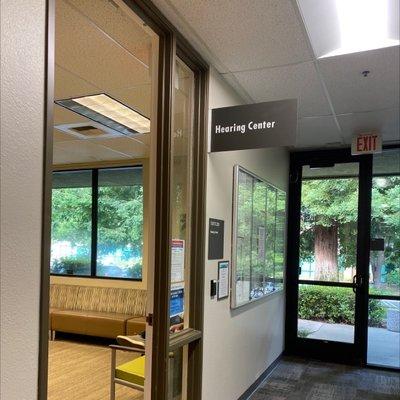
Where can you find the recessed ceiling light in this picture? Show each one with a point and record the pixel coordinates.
(109, 112)
(365, 25)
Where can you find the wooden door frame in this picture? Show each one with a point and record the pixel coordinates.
(171, 44)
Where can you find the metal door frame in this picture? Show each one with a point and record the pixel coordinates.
(329, 350)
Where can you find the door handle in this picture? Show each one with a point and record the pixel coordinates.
(357, 282)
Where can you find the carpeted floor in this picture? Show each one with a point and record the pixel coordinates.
(80, 370)
(297, 379)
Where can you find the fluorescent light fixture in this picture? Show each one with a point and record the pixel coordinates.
(365, 25)
(109, 112)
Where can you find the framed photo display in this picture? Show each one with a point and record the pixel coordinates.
(258, 238)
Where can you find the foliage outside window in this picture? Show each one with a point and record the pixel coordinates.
(328, 235)
(97, 223)
(258, 238)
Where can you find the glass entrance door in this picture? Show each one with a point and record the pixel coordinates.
(384, 271)
(328, 253)
(343, 277)
(327, 264)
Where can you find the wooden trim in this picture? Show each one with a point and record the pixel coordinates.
(160, 359)
(196, 307)
(183, 338)
(46, 208)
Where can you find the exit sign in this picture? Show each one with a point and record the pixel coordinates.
(366, 143)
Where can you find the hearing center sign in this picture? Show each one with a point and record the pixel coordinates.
(253, 126)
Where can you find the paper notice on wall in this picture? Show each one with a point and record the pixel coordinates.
(177, 260)
(177, 300)
(223, 280)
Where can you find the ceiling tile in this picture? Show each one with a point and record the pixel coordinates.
(319, 131)
(86, 50)
(137, 97)
(124, 27)
(128, 146)
(350, 91)
(82, 151)
(385, 122)
(64, 116)
(59, 136)
(295, 81)
(245, 34)
(67, 85)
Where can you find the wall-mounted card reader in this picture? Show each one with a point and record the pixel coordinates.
(213, 288)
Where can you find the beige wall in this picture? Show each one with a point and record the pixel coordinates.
(22, 104)
(238, 344)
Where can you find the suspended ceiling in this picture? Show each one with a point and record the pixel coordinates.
(263, 49)
(100, 49)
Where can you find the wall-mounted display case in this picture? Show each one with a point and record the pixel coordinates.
(258, 238)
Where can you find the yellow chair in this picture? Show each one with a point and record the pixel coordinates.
(131, 373)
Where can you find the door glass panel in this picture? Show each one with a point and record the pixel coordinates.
(328, 252)
(326, 313)
(181, 192)
(384, 333)
(106, 86)
(385, 225)
(329, 214)
(181, 184)
(175, 374)
(384, 268)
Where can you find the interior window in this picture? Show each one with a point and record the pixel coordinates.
(71, 228)
(97, 223)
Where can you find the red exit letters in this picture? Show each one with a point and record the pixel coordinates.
(367, 143)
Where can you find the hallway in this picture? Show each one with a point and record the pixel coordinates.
(298, 379)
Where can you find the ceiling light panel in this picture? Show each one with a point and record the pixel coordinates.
(337, 27)
(109, 112)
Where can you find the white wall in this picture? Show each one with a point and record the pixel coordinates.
(22, 102)
(240, 344)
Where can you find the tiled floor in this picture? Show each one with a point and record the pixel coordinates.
(298, 379)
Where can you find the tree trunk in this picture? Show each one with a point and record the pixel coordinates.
(326, 253)
(377, 261)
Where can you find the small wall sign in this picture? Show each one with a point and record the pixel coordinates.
(253, 126)
(215, 239)
(223, 280)
(366, 143)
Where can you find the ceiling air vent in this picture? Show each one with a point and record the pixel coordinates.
(86, 130)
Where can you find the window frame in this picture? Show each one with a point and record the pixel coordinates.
(237, 169)
(94, 222)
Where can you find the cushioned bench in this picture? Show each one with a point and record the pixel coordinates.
(97, 311)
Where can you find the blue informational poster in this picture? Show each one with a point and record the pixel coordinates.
(176, 305)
